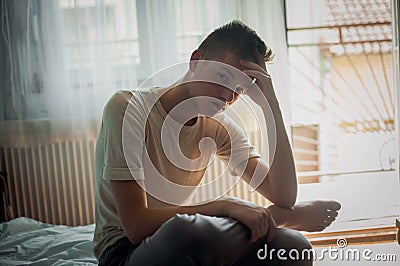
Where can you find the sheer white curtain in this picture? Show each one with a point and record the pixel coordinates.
(34, 59)
(64, 58)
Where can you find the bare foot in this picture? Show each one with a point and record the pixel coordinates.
(311, 216)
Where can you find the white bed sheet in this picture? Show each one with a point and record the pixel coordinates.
(24, 241)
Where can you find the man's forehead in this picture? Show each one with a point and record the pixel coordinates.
(234, 70)
(227, 75)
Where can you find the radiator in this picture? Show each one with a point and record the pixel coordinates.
(54, 182)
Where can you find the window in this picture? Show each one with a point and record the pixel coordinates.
(108, 30)
(343, 102)
(340, 56)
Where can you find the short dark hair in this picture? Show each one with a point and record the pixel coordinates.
(235, 37)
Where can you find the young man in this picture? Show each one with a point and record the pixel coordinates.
(149, 159)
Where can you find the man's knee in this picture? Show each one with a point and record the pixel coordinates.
(217, 240)
(203, 228)
(188, 229)
(291, 239)
(205, 232)
(295, 244)
(180, 228)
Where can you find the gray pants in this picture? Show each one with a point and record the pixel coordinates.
(202, 240)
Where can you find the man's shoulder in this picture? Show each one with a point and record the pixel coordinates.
(231, 126)
(124, 96)
(120, 96)
(223, 119)
(119, 101)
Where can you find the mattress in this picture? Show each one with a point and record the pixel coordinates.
(24, 241)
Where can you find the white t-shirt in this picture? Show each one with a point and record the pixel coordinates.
(139, 141)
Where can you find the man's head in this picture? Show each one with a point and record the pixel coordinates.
(237, 38)
(215, 66)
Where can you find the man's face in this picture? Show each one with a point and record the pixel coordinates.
(216, 84)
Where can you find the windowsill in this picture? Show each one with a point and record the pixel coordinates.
(370, 206)
(354, 237)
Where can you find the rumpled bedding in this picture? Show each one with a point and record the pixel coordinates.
(25, 241)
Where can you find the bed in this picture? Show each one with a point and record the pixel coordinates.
(24, 241)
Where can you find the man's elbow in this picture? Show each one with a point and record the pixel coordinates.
(282, 197)
(134, 233)
(286, 202)
(135, 238)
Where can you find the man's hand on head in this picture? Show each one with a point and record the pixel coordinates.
(263, 88)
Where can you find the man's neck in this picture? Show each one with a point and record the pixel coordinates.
(173, 97)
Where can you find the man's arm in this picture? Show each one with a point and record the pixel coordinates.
(280, 184)
(139, 221)
(280, 190)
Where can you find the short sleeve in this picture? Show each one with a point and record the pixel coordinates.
(123, 138)
(233, 145)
